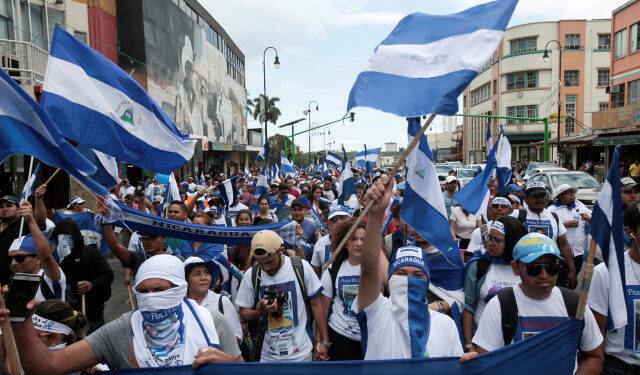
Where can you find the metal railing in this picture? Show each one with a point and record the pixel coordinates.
(23, 61)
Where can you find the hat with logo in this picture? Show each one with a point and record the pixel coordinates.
(24, 243)
(562, 188)
(533, 246)
(410, 256)
(338, 210)
(10, 199)
(628, 183)
(536, 188)
(74, 200)
(451, 179)
(265, 243)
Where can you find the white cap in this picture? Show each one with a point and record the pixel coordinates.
(562, 188)
(451, 179)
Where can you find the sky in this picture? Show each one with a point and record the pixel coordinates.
(323, 46)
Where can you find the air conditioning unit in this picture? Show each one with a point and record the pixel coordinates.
(613, 89)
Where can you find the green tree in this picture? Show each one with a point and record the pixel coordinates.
(272, 112)
(276, 143)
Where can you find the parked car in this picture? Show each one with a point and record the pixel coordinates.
(539, 164)
(540, 169)
(465, 175)
(587, 187)
(443, 171)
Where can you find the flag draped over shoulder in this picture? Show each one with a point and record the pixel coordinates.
(96, 103)
(91, 233)
(606, 230)
(428, 60)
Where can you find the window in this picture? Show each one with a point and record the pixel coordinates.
(522, 111)
(481, 94)
(604, 106)
(570, 115)
(617, 98)
(620, 43)
(495, 87)
(634, 37)
(604, 41)
(524, 44)
(603, 77)
(634, 92)
(571, 41)
(522, 80)
(81, 35)
(571, 78)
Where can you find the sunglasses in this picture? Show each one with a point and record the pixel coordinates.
(500, 206)
(20, 257)
(495, 240)
(534, 269)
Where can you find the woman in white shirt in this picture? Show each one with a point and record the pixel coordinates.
(462, 224)
(264, 212)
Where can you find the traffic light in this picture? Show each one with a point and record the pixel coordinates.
(352, 116)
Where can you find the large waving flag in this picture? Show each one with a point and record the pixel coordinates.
(503, 163)
(606, 230)
(27, 129)
(422, 194)
(106, 166)
(262, 186)
(347, 184)
(287, 167)
(332, 158)
(474, 196)
(264, 152)
(428, 60)
(228, 191)
(27, 191)
(367, 158)
(96, 103)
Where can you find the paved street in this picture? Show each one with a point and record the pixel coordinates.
(119, 301)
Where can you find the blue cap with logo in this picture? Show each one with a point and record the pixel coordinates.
(533, 246)
(338, 210)
(410, 256)
(24, 243)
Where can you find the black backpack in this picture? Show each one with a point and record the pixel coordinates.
(509, 310)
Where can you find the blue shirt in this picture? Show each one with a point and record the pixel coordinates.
(449, 203)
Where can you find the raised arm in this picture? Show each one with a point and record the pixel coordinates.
(44, 251)
(110, 238)
(40, 211)
(370, 276)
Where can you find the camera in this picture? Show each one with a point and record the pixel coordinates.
(271, 294)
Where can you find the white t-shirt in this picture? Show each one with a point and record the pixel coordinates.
(342, 318)
(498, 276)
(576, 236)
(537, 315)
(616, 343)
(544, 223)
(321, 252)
(465, 224)
(386, 337)
(211, 302)
(329, 194)
(62, 283)
(153, 190)
(287, 339)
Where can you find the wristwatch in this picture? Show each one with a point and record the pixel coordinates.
(326, 344)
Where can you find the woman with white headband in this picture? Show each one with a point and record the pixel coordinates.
(489, 271)
(58, 324)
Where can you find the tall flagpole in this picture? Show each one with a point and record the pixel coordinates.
(364, 212)
(26, 196)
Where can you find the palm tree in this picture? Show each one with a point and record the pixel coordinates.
(272, 112)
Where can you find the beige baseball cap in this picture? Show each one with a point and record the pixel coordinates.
(265, 243)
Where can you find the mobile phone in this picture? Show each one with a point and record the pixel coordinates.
(22, 289)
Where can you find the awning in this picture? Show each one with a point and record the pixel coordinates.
(630, 139)
(524, 137)
(571, 139)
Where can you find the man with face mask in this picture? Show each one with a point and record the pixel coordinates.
(167, 329)
(88, 272)
(387, 331)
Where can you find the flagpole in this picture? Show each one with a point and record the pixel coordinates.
(364, 212)
(51, 177)
(586, 281)
(11, 350)
(26, 196)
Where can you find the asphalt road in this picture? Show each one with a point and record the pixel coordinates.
(119, 303)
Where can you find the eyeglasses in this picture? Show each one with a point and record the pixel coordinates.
(504, 206)
(534, 269)
(495, 240)
(20, 257)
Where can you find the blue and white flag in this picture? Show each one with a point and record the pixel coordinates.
(262, 186)
(27, 129)
(325, 170)
(428, 60)
(287, 167)
(27, 191)
(422, 195)
(332, 159)
(247, 174)
(367, 159)
(347, 184)
(172, 193)
(275, 171)
(474, 196)
(201, 179)
(106, 166)
(91, 233)
(264, 152)
(607, 230)
(228, 191)
(489, 141)
(503, 163)
(96, 103)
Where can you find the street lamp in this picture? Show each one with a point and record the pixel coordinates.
(545, 58)
(276, 64)
(308, 112)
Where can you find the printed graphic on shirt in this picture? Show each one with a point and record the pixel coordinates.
(532, 325)
(348, 290)
(327, 253)
(286, 317)
(539, 226)
(632, 331)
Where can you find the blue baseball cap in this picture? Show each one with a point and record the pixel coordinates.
(338, 210)
(533, 246)
(410, 256)
(10, 199)
(513, 187)
(398, 175)
(24, 243)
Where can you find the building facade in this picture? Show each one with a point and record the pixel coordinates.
(518, 82)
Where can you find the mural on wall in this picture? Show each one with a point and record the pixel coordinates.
(188, 77)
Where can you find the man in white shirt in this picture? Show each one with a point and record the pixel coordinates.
(288, 332)
(322, 248)
(575, 216)
(540, 305)
(536, 217)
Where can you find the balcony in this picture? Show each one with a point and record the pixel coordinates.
(23, 61)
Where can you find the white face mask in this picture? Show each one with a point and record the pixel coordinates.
(166, 299)
(65, 245)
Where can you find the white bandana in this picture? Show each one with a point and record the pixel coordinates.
(497, 226)
(46, 325)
